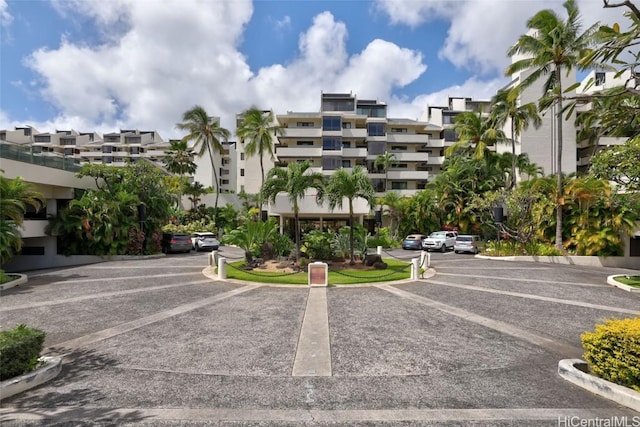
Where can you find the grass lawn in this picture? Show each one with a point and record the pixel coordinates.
(633, 281)
(6, 278)
(397, 270)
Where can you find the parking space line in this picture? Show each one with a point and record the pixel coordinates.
(539, 340)
(144, 321)
(548, 282)
(537, 297)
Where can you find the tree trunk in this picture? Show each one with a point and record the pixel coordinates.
(560, 198)
(297, 233)
(216, 188)
(352, 259)
(513, 155)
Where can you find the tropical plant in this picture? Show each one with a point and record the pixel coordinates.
(620, 164)
(344, 185)
(179, 160)
(318, 244)
(552, 46)
(505, 108)
(476, 133)
(385, 161)
(207, 134)
(295, 181)
(392, 204)
(251, 236)
(257, 129)
(195, 191)
(15, 196)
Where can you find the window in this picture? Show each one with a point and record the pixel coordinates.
(331, 163)
(449, 135)
(346, 144)
(135, 150)
(32, 250)
(132, 140)
(396, 185)
(68, 151)
(107, 149)
(600, 78)
(332, 123)
(241, 171)
(30, 213)
(398, 148)
(332, 143)
(224, 182)
(346, 125)
(3, 136)
(36, 149)
(376, 147)
(241, 156)
(67, 141)
(346, 163)
(338, 104)
(304, 143)
(112, 138)
(42, 138)
(304, 124)
(108, 159)
(376, 129)
(398, 130)
(373, 111)
(399, 165)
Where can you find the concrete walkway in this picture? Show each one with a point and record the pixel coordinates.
(154, 343)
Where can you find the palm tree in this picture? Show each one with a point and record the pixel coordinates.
(504, 106)
(551, 47)
(258, 129)
(475, 133)
(17, 195)
(385, 161)
(195, 191)
(179, 160)
(295, 180)
(343, 184)
(207, 135)
(393, 202)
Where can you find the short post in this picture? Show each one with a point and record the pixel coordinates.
(213, 258)
(222, 268)
(318, 274)
(379, 250)
(415, 268)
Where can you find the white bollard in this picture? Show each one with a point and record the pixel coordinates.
(379, 250)
(222, 268)
(213, 258)
(415, 268)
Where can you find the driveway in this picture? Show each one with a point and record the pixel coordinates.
(155, 342)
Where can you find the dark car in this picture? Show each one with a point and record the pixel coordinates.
(176, 242)
(413, 241)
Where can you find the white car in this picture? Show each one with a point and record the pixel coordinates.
(439, 241)
(204, 241)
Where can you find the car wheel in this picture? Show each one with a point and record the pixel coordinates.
(443, 248)
(197, 248)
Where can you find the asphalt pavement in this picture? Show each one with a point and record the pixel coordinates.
(156, 342)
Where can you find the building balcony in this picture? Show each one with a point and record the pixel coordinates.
(438, 143)
(401, 193)
(407, 138)
(33, 228)
(403, 156)
(407, 175)
(302, 133)
(154, 153)
(354, 152)
(611, 140)
(382, 138)
(436, 160)
(299, 152)
(354, 133)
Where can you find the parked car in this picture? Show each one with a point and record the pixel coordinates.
(176, 242)
(439, 241)
(204, 241)
(466, 243)
(413, 241)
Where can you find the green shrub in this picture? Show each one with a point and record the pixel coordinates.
(613, 351)
(382, 238)
(282, 245)
(20, 349)
(317, 244)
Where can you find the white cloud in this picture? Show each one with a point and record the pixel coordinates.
(5, 17)
(284, 22)
(481, 31)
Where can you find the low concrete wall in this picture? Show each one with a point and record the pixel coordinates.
(587, 261)
(28, 263)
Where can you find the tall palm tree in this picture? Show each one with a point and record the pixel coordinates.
(551, 47)
(392, 202)
(475, 133)
(258, 129)
(207, 135)
(385, 161)
(504, 106)
(343, 184)
(295, 180)
(179, 160)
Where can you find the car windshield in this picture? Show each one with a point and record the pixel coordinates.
(437, 235)
(464, 239)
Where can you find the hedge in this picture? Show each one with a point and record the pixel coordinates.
(613, 351)
(20, 350)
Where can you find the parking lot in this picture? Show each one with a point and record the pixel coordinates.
(155, 342)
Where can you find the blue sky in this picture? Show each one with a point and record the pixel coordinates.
(95, 65)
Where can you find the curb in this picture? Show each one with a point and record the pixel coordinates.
(570, 370)
(20, 281)
(614, 282)
(50, 370)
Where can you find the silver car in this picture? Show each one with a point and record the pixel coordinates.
(466, 243)
(204, 241)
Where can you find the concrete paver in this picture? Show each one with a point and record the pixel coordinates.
(172, 352)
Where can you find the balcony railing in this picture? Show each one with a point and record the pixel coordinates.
(23, 154)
